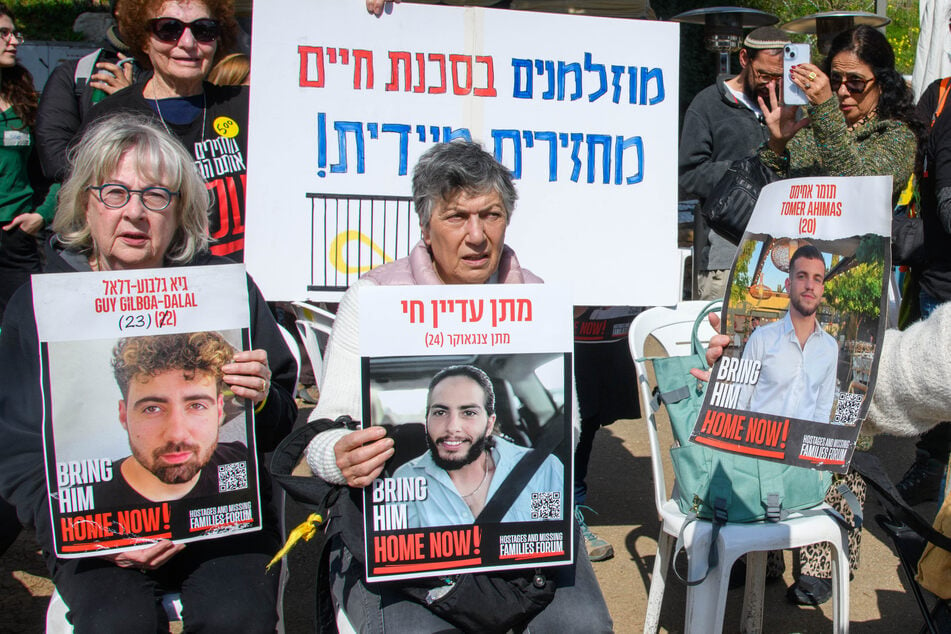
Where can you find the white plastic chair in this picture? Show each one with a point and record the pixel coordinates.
(295, 352)
(314, 325)
(671, 328)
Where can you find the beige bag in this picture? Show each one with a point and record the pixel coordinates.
(934, 567)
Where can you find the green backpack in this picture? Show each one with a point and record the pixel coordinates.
(719, 486)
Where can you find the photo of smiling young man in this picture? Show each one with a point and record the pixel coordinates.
(798, 359)
(172, 408)
(466, 462)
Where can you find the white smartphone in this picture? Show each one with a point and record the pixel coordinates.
(793, 55)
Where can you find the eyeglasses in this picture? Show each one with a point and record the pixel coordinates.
(12, 36)
(170, 30)
(116, 196)
(854, 85)
(763, 76)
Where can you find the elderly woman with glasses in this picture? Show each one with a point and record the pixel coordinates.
(861, 119)
(179, 42)
(133, 200)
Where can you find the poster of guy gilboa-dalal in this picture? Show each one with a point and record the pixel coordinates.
(806, 309)
(582, 109)
(473, 384)
(142, 440)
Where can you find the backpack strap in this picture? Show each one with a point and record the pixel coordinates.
(713, 554)
(943, 89)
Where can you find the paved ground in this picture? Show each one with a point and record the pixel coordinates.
(620, 489)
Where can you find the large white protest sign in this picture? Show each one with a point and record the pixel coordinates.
(582, 110)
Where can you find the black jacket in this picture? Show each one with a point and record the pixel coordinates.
(63, 107)
(218, 141)
(22, 463)
(717, 130)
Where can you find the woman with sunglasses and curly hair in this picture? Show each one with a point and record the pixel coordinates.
(23, 211)
(180, 41)
(860, 122)
(861, 115)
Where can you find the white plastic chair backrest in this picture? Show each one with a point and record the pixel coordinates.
(314, 325)
(295, 352)
(323, 320)
(672, 329)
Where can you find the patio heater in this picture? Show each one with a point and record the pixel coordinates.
(723, 28)
(825, 26)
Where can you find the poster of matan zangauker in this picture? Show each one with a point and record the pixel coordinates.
(582, 110)
(806, 308)
(473, 384)
(143, 439)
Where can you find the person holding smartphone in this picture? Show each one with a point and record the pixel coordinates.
(860, 115)
(724, 123)
(73, 88)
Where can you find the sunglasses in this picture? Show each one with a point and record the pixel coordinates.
(170, 30)
(854, 85)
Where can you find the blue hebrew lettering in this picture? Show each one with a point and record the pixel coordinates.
(632, 84)
(552, 139)
(656, 74)
(321, 143)
(621, 144)
(403, 130)
(434, 133)
(564, 69)
(604, 141)
(342, 128)
(576, 138)
(602, 75)
(448, 134)
(616, 73)
(421, 133)
(522, 69)
(547, 66)
(374, 129)
(516, 138)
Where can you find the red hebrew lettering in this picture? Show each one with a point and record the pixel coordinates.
(441, 59)
(398, 58)
(465, 60)
(305, 52)
(489, 89)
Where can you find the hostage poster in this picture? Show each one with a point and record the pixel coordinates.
(806, 309)
(143, 439)
(583, 110)
(473, 383)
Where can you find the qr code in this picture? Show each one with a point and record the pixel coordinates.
(546, 506)
(847, 408)
(232, 477)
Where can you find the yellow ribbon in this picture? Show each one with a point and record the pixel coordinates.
(338, 251)
(305, 530)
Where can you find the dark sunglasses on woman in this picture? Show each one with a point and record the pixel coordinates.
(853, 85)
(170, 30)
